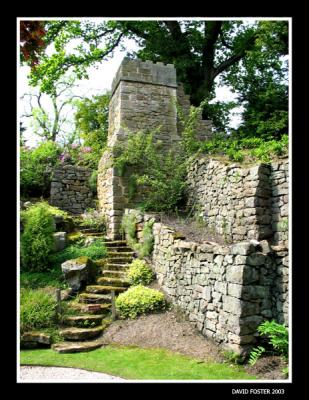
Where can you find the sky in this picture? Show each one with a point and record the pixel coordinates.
(100, 80)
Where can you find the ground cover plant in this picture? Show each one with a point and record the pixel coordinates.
(137, 363)
(139, 273)
(95, 250)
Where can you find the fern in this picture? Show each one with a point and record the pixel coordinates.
(256, 354)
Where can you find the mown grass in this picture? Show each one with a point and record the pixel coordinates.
(131, 362)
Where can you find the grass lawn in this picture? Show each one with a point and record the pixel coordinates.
(137, 363)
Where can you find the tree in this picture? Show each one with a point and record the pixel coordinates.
(91, 124)
(49, 125)
(202, 51)
(261, 81)
(31, 41)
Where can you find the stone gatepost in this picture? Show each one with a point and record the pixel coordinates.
(143, 98)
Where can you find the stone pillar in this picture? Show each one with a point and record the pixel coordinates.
(143, 98)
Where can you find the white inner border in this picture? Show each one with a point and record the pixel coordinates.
(289, 19)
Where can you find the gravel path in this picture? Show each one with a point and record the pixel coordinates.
(56, 374)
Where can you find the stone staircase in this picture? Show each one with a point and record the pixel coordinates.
(83, 332)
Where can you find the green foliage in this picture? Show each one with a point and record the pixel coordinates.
(139, 273)
(159, 175)
(239, 149)
(37, 309)
(146, 246)
(36, 280)
(255, 354)
(95, 251)
(233, 357)
(37, 238)
(285, 371)
(93, 219)
(139, 300)
(277, 335)
(35, 168)
(91, 123)
(93, 181)
(128, 227)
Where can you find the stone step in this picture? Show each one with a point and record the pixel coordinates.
(94, 309)
(76, 347)
(80, 334)
(119, 260)
(99, 290)
(84, 321)
(115, 243)
(114, 274)
(112, 254)
(94, 298)
(113, 281)
(124, 249)
(121, 267)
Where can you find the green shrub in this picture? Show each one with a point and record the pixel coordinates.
(145, 247)
(93, 181)
(128, 227)
(139, 273)
(139, 300)
(37, 238)
(37, 310)
(95, 251)
(159, 174)
(93, 219)
(36, 168)
(277, 335)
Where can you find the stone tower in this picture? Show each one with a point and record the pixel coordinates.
(144, 96)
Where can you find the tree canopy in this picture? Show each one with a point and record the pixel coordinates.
(205, 53)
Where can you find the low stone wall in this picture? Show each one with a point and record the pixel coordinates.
(241, 203)
(227, 291)
(70, 189)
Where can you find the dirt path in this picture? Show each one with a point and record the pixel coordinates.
(166, 330)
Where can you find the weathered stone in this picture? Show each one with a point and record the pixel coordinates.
(59, 240)
(242, 248)
(79, 272)
(34, 339)
(256, 259)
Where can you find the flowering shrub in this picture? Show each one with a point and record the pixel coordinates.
(35, 168)
(76, 154)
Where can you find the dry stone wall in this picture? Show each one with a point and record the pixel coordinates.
(227, 291)
(241, 203)
(70, 189)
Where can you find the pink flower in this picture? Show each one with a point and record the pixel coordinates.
(86, 149)
(74, 146)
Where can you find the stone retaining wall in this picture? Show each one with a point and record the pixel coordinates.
(70, 189)
(241, 203)
(227, 291)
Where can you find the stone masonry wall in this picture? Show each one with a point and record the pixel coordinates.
(227, 291)
(233, 201)
(241, 203)
(70, 189)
